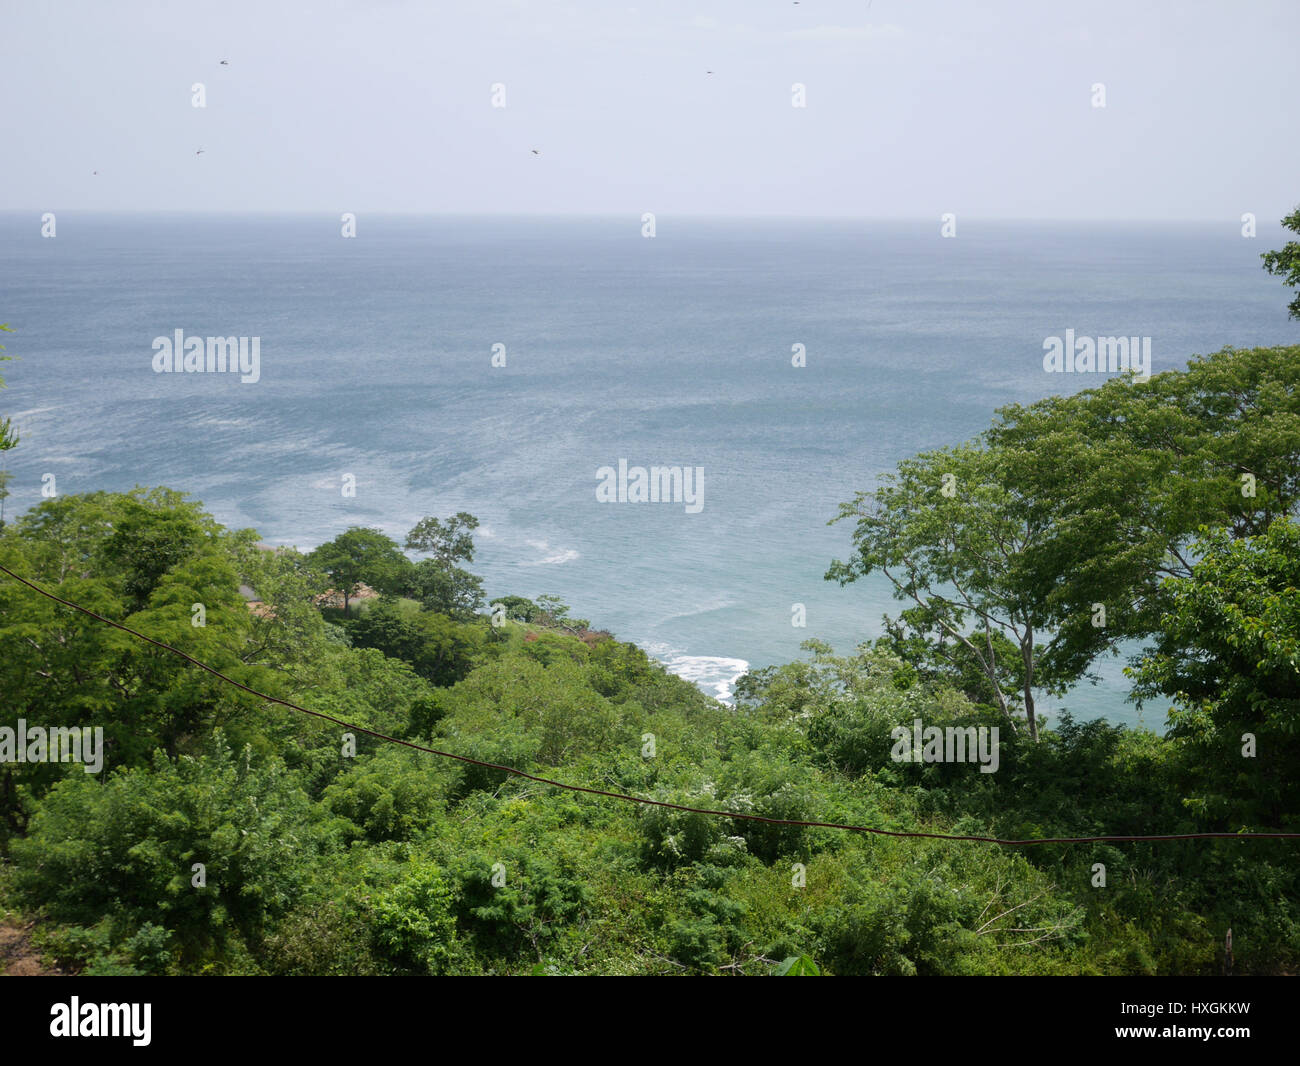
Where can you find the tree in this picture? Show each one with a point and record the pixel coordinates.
(152, 536)
(62, 667)
(438, 648)
(127, 848)
(1128, 473)
(553, 611)
(361, 555)
(1286, 262)
(1228, 658)
(288, 628)
(446, 589)
(448, 542)
(516, 608)
(543, 894)
(1067, 515)
(413, 925)
(391, 795)
(951, 539)
(437, 581)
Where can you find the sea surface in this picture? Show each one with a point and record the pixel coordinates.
(376, 361)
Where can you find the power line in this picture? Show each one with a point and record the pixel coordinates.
(626, 797)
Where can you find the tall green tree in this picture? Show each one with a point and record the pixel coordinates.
(62, 667)
(1128, 473)
(1228, 655)
(361, 555)
(1065, 518)
(448, 542)
(1285, 262)
(448, 590)
(438, 648)
(437, 581)
(951, 540)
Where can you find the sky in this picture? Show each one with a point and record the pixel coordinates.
(913, 109)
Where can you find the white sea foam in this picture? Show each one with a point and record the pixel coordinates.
(714, 674)
(551, 556)
(719, 602)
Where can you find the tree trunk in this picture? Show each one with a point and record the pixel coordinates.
(1027, 648)
(1029, 713)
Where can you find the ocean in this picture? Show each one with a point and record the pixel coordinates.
(376, 361)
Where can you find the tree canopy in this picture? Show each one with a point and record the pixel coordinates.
(361, 555)
(1285, 262)
(1056, 528)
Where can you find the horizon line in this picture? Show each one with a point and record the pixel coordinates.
(1227, 220)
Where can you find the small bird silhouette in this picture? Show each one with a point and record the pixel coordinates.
(95, 172)
(536, 152)
(225, 62)
(199, 152)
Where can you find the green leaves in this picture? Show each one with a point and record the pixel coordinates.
(381, 859)
(516, 899)
(1004, 548)
(437, 647)
(438, 582)
(446, 589)
(448, 542)
(1229, 658)
(951, 537)
(1286, 262)
(797, 966)
(127, 847)
(143, 558)
(412, 923)
(362, 555)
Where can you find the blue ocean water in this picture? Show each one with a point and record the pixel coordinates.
(375, 361)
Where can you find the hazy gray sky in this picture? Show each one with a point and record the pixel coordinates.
(978, 107)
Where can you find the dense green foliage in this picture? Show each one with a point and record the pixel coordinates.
(229, 835)
(1229, 655)
(1285, 262)
(1026, 554)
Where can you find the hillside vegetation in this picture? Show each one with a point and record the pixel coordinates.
(324, 853)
